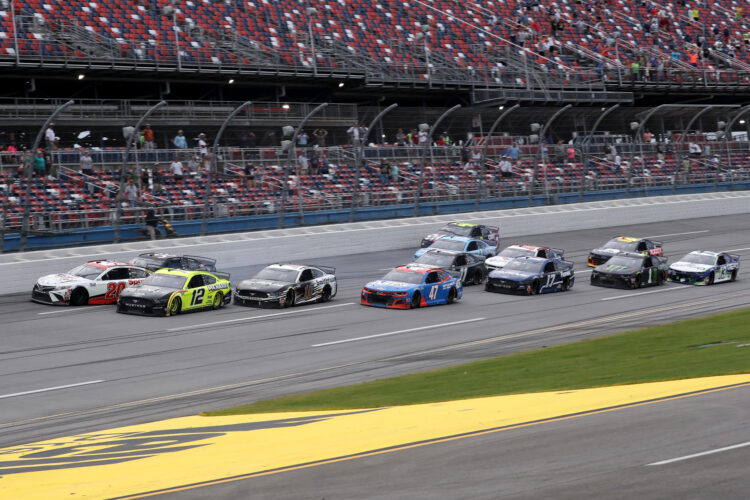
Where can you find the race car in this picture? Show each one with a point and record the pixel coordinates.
(705, 268)
(285, 285)
(513, 251)
(158, 260)
(467, 267)
(95, 282)
(599, 256)
(490, 234)
(631, 270)
(168, 292)
(409, 288)
(460, 244)
(532, 276)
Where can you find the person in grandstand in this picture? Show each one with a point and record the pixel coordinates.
(355, 133)
(152, 221)
(87, 164)
(202, 144)
(50, 138)
(179, 140)
(320, 137)
(148, 137)
(131, 193)
(40, 164)
(176, 169)
(249, 175)
(302, 139)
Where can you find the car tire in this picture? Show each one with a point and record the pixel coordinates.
(478, 277)
(416, 298)
(175, 308)
(734, 275)
(711, 278)
(637, 283)
(79, 297)
(534, 288)
(218, 301)
(325, 295)
(451, 296)
(565, 285)
(289, 302)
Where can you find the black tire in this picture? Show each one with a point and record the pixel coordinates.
(218, 304)
(565, 285)
(734, 275)
(451, 296)
(289, 302)
(79, 297)
(637, 283)
(478, 277)
(325, 296)
(534, 288)
(711, 278)
(415, 300)
(175, 307)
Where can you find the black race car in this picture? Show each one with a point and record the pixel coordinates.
(467, 267)
(157, 260)
(285, 285)
(490, 234)
(631, 270)
(600, 255)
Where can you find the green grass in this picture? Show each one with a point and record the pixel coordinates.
(665, 352)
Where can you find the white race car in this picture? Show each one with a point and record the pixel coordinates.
(705, 268)
(95, 282)
(513, 251)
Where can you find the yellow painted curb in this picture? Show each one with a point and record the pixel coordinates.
(184, 451)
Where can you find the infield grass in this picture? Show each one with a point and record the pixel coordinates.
(712, 345)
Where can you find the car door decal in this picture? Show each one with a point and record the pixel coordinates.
(550, 280)
(434, 292)
(309, 290)
(197, 299)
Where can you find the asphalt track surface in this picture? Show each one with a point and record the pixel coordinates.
(71, 370)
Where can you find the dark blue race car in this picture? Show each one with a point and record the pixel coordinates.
(409, 287)
(532, 275)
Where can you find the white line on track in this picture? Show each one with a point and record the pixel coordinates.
(47, 389)
(252, 318)
(737, 249)
(398, 332)
(671, 289)
(701, 454)
(59, 311)
(677, 234)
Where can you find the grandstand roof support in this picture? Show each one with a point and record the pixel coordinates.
(480, 180)
(212, 170)
(118, 199)
(427, 146)
(292, 157)
(30, 176)
(584, 144)
(540, 154)
(728, 131)
(361, 155)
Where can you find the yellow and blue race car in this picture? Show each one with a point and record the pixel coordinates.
(168, 292)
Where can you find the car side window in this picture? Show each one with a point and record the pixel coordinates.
(432, 278)
(542, 253)
(549, 267)
(642, 247)
(118, 273)
(175, 263)
(306, 275)
(472, 246)
(476, 232)
(134, 273)
(442, 276)
(317, 273)
(721, 260)
(196, 281)
(460, 260)
(208, 279)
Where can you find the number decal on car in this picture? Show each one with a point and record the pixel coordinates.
(434, 292)
(309, 289)
(198, 297)
(113, 290)
(550, 280)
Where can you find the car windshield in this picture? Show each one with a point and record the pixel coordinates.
(458, 230)
(627, 246)
(622, 260)
(448, 245)
(696, 258)
(517, 252)
(277, 274)
(165, 280)
(435, 259)
(86, 271)
(524, 265)
(404, 277)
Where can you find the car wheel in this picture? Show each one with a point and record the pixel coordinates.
(416, 298)
(451, 296)
(711, 278)
(175, 307)
(218, 301)
(289, 302)
(325, 296)
(534, 288)
(79, 297)
(478, 277)
(637, 283)
(565, 285)
(734, 275)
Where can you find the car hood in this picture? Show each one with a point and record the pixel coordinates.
(434, 236)
(512, 275)
(498, 261)
(61, 280)
(615, 270)
(690, 267)
(606, 251)
(389, 286)
(262, 285)
(146, 291)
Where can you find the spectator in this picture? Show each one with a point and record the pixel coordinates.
(302, 139)
(157, 180)
(320, 135)
(176, 169)
(385, 170)
(202, 144)
(694, 149)
(464, 155)
(400, 137)
(647, 136)
(87, 164)
(423, 138)
(193, 164)
(513, 152)
(131, 194)
(249, 176)
(50, 138)
(302, 164)
(27, 163)
(148, 137)
(506, 167)
(252, 140)
(355, 134)
(146, 178)
(394, 173)
(152, 222)
(476, 158)
(445, 138)
(40, 165)
(571, 153)
(179, 140)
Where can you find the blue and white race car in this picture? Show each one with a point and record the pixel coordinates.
(532, 275)
(460, 244)
(705, 268)
(409, 287)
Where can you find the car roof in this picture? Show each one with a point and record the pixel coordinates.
(443, 251)
(627, 239)
(458, 238)
(526, 247)
(537, 260)
(291, 267)
(158, 255)
(631, 254)
(704, 252)
(463, 224)
(417, 268)
(179, 272)
(106, 264)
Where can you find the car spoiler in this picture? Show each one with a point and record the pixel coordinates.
(567, 263)
(219, 274)
(495, 233)
(734, 256)
(205, 260)
(559, 252)
(325, 269)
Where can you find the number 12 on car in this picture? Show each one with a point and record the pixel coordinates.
(197, 299)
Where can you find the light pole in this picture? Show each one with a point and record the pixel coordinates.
(15, 31)
(428, 145)
(312, 11)
(361, 155)
(128, 145)
(540, 154)
(30, 175)
(213, 168)
(290, 158)
(585, 145)
(484, 151)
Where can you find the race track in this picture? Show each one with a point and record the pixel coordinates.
(72, 370)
